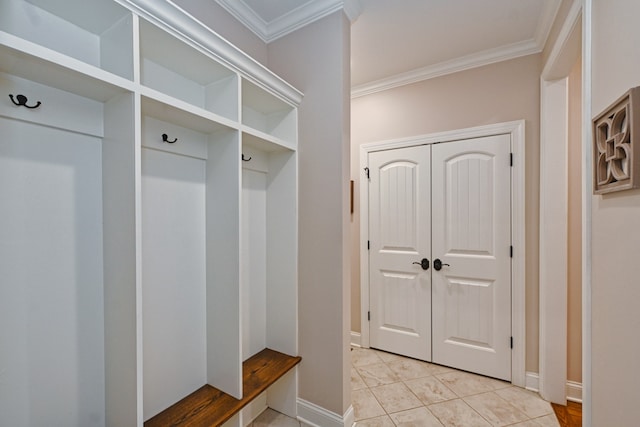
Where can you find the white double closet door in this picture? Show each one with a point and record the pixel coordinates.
(448, 204)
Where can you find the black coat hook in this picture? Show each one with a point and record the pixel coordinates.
(165, 138)
(22, 101)
(244, 159)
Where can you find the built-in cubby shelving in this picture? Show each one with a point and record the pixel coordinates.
(34, 63)
(97, 32)
(269, 243)
(148, 229)
(267, 114)
(187, 73)
(68, 299)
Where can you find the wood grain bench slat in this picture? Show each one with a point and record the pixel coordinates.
(210, 407)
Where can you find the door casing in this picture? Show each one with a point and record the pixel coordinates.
(554, 125)
(516, 130)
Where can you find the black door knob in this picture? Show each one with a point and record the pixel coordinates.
(437, 264)
(424, 263)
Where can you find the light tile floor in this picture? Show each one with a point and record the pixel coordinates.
(271, 418)
(390, 390)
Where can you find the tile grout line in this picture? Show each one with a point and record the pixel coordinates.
(458, 397)
(386, 363)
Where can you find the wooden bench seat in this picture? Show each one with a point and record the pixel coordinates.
(210, 407)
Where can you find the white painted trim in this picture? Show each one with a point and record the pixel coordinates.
(574, 389)
(353, 9)
(587, 182)
(475, 60)
(349, 417)
(518, 264)
(300, 17)
(247, 16)
(310, 414)
(137, 105)
(356, 339)
(314, 10)
(364, 245)
(514, 127)
(553, 233)
(554, 140)
(533, 382)
(562, 42)
(293, 20)
(308, 14)
(517, 131)
(479, 59)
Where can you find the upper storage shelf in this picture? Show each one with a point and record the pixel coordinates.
(97, 32)
(267, 114)
(186, 74)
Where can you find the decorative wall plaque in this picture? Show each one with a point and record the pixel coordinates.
(616, 150)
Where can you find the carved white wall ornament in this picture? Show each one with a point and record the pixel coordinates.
(616, 154)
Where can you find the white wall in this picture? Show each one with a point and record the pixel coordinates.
(615, 232)
(315, 59)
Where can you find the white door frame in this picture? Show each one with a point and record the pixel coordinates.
(516, 130)
(554, 106)
(587, 184)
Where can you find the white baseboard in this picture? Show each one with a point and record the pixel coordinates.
(312, 415)
(356, 339)
(349, 417)
(532, 381)
(574, 389)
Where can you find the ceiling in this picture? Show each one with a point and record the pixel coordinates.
(398, 42)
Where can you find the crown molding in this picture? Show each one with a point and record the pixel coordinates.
(353, 9)
(300, 17)
(243, 13)
(564, 41)
(291, 21)
(490, 56)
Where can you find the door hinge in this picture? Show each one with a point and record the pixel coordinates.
(510, 159)
(369, 316)
(366, 171)
(511, 251)
(511, 342)
(368, 245)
